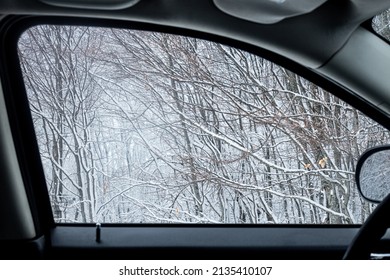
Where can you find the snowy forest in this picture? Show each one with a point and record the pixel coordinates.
(146, 127)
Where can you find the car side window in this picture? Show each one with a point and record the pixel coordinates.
(147, 127)
(381, 24)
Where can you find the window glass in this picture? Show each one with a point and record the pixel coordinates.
(381, 24)
(146, 127)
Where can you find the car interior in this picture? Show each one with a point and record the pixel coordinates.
(110, 53)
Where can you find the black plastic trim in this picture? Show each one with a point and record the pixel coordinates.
(194, 242)
(24, 249)
(23, 132)
(20, 117)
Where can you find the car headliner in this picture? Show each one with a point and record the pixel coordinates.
(311, 39)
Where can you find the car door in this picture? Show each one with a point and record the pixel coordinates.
(194, 76)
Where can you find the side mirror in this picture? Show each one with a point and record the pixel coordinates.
(373, 174)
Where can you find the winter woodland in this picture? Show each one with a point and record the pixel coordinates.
(146, 127)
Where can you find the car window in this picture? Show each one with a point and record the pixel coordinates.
(147, 127)
(381, 24)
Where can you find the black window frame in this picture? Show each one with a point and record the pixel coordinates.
(23, 131)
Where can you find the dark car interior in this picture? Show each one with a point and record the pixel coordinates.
(331, 43)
